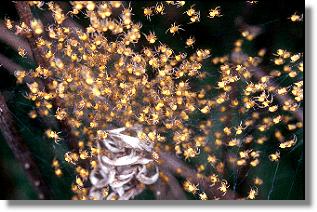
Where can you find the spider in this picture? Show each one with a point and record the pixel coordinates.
(190, 42)
(224, 187)
(148, 12)
(191, 153)
(214, 13)
(240, 128)
(252, 193)
(264, 99)
(213, 178)
(159, 8)
(275, 156)
(190, 187)
(22, 52)
(296, 18)
(289, 143)
(151, 37)
(191, 11)
(252, 2)
(54, 135)
(174, 29)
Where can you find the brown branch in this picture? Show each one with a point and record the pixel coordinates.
(14, 41)
(175, 189)
(21, 152)
(9, 64)
(178, 167)
(167, 187)
(26, 16)
(11, 67)
(160, 190)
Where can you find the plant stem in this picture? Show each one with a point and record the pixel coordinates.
(178, 167)
(21, 151)
(14, 41)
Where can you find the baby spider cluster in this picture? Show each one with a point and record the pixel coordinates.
(126, 100)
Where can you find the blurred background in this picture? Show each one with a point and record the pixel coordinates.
(217, 34)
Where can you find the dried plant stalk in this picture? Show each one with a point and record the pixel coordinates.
(122, 165)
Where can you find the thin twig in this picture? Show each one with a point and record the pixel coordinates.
(21, 152)
(273, 181)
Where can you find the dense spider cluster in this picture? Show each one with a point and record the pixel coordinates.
(104, 77)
